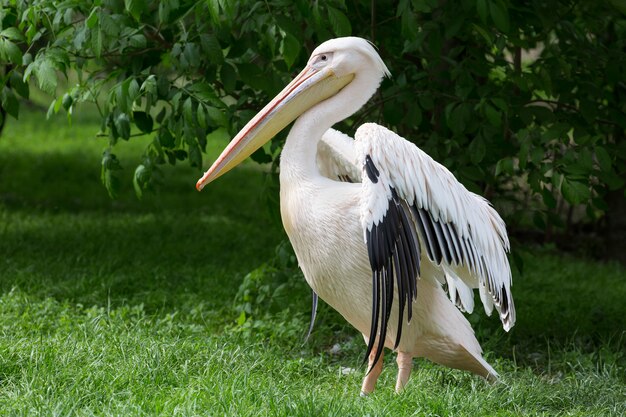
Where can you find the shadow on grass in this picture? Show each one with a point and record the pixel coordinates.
(62, 236)
(563, 305)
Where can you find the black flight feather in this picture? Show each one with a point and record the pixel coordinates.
(393, 250)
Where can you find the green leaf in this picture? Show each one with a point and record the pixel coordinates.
(195, 155)
(67, 101)
(46, 76)
(10, 52)
(426, 101)
(228, 77)
(556, 180)
(228, 8)
(121, 95)
(482, 32)
(180, 154)
(110, 163)
(493, 116)
(51, 110)
(409, 26)
(477, 150)
(93, 18)
(339, 22)
(191, 52)
(58, 103)
(143, 121)
(575, 192)
(585, 159)
(80, 36)
(138, 41)
(500, 15)
(13, 33)
(211, 46)
(10, 102)
(27, 59)
(217, 116)
(111, 182)
(110, 25)
(149, 85)
(133, 90)
(604, 159)
(214, 10)
(122, 124)
(482, 9)
(135, 7)
(290, 49)
(458, 117)
(166, 139)
(205, 93)
(612, 180)
(201, 116)
(164, 12)
(524, 150)
(16, 81)
(548, 198)
(251, 74)
(537, 155)
(505, 165)
(188, 111)
(140, 180)
(403, 7)
(96, 41)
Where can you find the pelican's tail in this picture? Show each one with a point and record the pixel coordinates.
(451, 341)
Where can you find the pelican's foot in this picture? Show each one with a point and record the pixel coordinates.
(405, 365)
(369, 382)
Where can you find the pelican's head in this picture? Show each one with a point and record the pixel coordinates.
(332, 66)
(349, 55)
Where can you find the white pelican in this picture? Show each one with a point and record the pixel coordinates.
(378, 226)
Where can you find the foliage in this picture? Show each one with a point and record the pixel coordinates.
(262, 303)
(523, 101)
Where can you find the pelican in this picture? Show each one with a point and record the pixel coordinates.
(379, 228)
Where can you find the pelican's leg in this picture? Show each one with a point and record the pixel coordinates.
(369, 382)
(405, 364)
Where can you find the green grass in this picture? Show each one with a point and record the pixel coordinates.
(129, 307)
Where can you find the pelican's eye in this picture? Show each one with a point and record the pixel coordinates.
(322, 59)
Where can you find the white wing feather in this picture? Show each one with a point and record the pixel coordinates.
(467, 228)
(336, 157)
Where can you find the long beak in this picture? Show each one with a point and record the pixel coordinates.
(310, 87)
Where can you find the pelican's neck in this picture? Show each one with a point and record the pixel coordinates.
(298, 158)
(298, 162)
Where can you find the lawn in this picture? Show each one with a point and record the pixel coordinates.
(131, 308)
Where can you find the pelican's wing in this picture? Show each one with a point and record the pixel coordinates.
(336, 157)
(412, 202)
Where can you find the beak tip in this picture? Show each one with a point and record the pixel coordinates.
(207, 178)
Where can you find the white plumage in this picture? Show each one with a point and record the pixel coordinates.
(377, 225)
